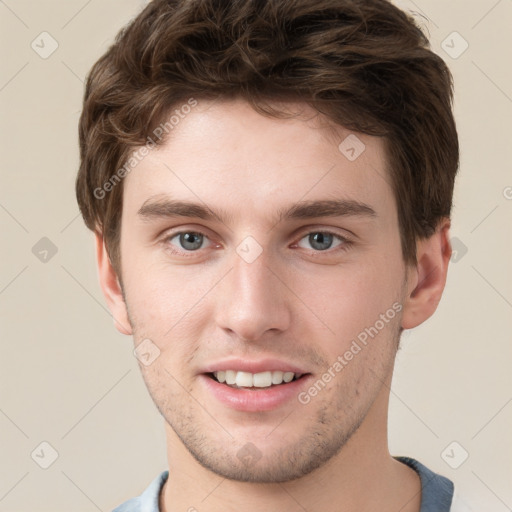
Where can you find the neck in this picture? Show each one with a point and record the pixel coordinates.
(362, 477)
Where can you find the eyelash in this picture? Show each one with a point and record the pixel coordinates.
(344, 246)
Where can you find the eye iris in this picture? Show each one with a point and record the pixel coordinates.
(188, 238)
(321, 241)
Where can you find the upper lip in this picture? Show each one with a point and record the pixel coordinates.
(253, 366)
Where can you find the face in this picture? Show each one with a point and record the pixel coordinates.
(254, 250)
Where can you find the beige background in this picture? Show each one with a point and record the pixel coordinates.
(69, 379)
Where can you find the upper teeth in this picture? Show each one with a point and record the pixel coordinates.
(258, 380)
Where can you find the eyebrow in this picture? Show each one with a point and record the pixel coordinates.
(168, 208)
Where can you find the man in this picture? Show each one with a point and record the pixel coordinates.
(270, 185)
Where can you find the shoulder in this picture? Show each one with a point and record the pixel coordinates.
(436, 490)
(148, 500)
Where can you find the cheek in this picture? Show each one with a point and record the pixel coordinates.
(351, 299)
(154, 293)
(167, 305)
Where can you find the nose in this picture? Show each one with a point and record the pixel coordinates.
(252, 299)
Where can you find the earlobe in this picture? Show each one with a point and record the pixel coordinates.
(111, 287)
(433, 256)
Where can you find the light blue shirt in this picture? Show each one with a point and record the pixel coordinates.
(436, 491)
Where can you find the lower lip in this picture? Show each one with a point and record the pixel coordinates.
(255, 399)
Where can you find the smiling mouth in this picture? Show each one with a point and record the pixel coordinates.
(254, 381)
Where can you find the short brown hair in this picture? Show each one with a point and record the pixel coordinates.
(365, 64)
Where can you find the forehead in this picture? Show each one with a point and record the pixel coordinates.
(227, 155)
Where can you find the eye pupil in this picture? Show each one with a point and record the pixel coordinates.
(320, 241)
(188, 238)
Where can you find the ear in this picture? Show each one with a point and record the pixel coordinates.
(427, 279)
(111, 288)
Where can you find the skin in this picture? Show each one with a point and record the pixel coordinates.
(293, 302)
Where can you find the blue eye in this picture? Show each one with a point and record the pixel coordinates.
(322, 240)
(189, 240)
